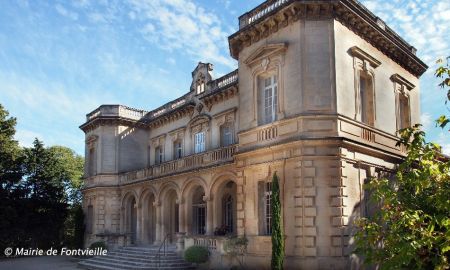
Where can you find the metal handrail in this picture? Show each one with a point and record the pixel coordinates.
(158, 253)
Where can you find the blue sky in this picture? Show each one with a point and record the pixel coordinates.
(61, 59)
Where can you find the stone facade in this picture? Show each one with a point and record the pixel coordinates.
(321, 90)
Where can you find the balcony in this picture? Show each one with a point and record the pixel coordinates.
(191, 162)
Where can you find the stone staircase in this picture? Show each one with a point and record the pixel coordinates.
(134, 257)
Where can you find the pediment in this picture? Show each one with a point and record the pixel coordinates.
(264, 52)
(199, 119)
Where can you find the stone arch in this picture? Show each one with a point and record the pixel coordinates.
(195, 196)
(127, 194)
(224, 188)
(190, 182)
(129, 207)
(169, 198)
(219, 178)
(165, 187)
(147, 228)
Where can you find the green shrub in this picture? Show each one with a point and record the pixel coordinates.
(98, 244)
(196, 254)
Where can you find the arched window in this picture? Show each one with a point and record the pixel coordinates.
(200, 85)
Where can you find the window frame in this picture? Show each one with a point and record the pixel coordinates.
(265, 208)
(366, 98)
(224, 139)
(200, 145)
(159, 155)
(177, 149)
(269, 98)
(402, 89)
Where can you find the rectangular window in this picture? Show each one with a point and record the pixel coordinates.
(265, 210)
(159, 155)
(200, 142)
(226, 135)
(200, 218)
(90, 219)
(366, 94)
(177, 150)
(268, 208)
(270, 99)
(404, 112)
(91, 165)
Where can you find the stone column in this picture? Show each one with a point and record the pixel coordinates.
(158, 222)
(181, 216)
(138, 224)
(209, 215)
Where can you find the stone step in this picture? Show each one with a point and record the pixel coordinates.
(131, 265)
(140, 255)
(88, 265)
(143, 259)
(149, 248)
(131, 251)
(137, 257)
(174, 262)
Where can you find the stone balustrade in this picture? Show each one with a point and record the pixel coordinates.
(204, 159)
(223, 81)
(315, 127)
(116, 111)
(260, 11)
(135, 114)
(212, 243)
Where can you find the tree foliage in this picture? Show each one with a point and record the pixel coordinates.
(443, 72)
(277, 227)
(411, 229)
(39, 187)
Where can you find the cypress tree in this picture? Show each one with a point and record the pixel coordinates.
(277, 228)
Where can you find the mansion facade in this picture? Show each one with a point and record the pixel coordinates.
(320, 91)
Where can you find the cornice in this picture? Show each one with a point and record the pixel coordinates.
(110, 121)
(350, 13)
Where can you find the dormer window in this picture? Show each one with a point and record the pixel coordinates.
(200, 88)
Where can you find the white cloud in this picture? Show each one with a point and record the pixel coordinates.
(26, 137)
(66, 13)
(171, 61)
(443, 142)
(426, 121)
(182, 25)
(424, 24)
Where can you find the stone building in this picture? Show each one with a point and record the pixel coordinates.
(320, 91)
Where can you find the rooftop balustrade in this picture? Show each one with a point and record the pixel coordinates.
(135, 114)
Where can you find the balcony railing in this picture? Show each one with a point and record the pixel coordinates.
(204, 159)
